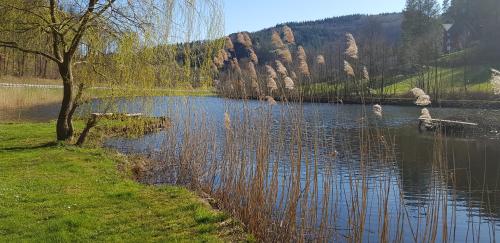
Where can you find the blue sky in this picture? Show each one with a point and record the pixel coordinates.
(252, 15)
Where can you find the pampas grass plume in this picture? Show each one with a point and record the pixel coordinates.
(220, 58)
(244, 39)
(227, 121)
(348, 69)
(417, 92)
(228, 44)
(281, 69)
(495, 81)
(276, 40)
(251, 70)
(425, 114)
(377, 109)
(301, 56)
(289, 83)
(253, 56)
(423, 100)
(366, 75)
(320, 60)
(270, 72)
(288, 35)
(351, 46)
(271, 84)
(284, 55)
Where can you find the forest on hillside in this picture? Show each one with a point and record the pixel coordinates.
(397, 51)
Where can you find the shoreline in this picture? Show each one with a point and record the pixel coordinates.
(476, 104)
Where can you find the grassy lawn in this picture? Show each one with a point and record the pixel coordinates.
(53, 192)
(448, 79)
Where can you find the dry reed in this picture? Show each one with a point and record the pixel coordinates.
(281, 69)
(320, 60)
(284, 55)
(351, 46)
(227, 121)
(271, 84)
(417, 92)
(289, 83)
(302, 59)
(244, 39)
(495, 81)
(276, 40)
(268, 174)
(270, 72)
(288, 35)
(366, 75)
(377, 110)
(253, 56)
(220, 58)
(423, 100)
(349, 71)
(235, 66)
(228, 44)
(251, 70)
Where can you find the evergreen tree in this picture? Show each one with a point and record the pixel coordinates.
(421, 32)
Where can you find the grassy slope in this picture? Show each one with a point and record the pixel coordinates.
(51, 192)
(450, 79)
(451, 74)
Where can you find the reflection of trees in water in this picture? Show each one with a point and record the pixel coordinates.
(471, 175)
(43, 112)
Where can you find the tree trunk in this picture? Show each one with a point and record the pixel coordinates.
(90, 124)
(64, 124)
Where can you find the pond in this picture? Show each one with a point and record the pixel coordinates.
(463, 195)
(471, 191)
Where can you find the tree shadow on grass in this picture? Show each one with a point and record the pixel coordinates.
(19, 148)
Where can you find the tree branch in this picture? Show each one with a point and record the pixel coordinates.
(85, 20)
(55, 34)
(14, 45)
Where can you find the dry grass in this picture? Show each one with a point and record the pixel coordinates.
(287, 182)
(351, 46)
(288, 35)
(349, 71)
(235, 66)
(270, 72)
(417, 92)
(281, 68)
(271, 84)
(29, 80)
(366, 75)
(228, 43)
(495, 81)
(284, 55)
(220, 58)
(302, 61)
(21, 98)
(16, 103)
(244, 39)
(289, 83)
(253, 57)
(276, 40)
(320, 60)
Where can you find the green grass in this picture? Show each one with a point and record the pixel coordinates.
(449, 80)
(52, 192)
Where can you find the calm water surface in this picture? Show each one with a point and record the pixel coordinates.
(475, 157)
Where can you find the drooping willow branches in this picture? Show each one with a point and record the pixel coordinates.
(126, 47)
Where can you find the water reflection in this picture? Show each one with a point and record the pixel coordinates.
(469, 178)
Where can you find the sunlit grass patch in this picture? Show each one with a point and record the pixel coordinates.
(54, 192)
